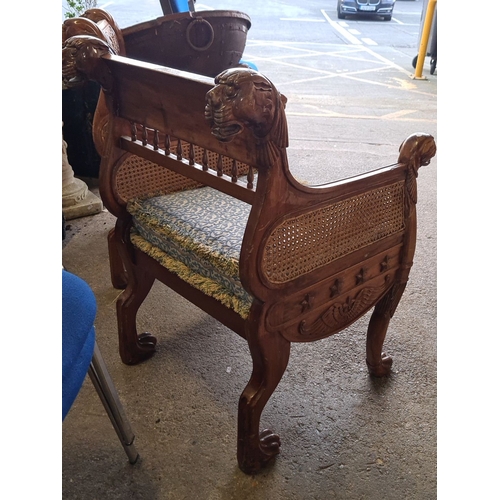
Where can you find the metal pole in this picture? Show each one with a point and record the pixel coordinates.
(104, 386)
(424, 41)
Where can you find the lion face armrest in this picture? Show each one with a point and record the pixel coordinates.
(245, 99)
(416, 151)
(100, 24)
(81, 59)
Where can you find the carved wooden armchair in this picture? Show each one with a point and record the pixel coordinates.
(197, 176)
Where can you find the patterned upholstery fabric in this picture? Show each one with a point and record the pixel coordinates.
(196, 234)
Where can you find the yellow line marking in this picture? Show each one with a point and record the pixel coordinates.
(398, 114)
(351, 53)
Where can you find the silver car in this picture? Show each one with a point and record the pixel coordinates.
(382, 8)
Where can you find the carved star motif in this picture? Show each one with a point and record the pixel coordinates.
(335, 288)
(360, 277)
(306, 303)
(384, 264)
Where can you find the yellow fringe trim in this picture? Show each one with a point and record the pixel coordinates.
(205, 285)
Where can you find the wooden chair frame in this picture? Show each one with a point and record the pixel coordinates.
(313, 258)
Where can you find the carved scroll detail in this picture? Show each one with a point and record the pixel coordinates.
(341, 313)
(109, 29)
(80, 26)
(243, 98)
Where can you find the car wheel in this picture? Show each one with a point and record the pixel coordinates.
(433, 66)
(387, 18)
(339, 14)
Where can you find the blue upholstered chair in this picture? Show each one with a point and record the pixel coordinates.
(81, 355)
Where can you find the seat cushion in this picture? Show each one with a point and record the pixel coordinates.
(78, 336)
(196, 234)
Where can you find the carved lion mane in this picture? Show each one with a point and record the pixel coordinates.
(416, 151)
(243, 98)
(80, 55)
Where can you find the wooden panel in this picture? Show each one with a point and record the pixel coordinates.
(337, 287)
(155, 96)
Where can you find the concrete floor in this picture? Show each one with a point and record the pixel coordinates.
(344, 435)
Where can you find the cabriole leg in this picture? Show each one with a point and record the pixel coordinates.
(134, 348)
(379, 364)
(270, 354)
(118, 274)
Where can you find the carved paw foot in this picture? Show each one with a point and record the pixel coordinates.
(382, 368)
(142, 350)
(269, 443)
(256, 459)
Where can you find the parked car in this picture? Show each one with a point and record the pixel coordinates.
(382, 8)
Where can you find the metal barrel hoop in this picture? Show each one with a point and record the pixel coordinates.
(200, 34)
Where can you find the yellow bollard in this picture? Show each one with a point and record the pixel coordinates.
(429, 15)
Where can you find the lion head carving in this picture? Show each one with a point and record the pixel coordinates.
(417, 150)
(80, 57)
(243, 98)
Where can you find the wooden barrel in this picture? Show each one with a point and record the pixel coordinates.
(205, 42)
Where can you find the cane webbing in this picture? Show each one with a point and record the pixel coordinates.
(313, 239)
(137, 177)
(140, 178)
